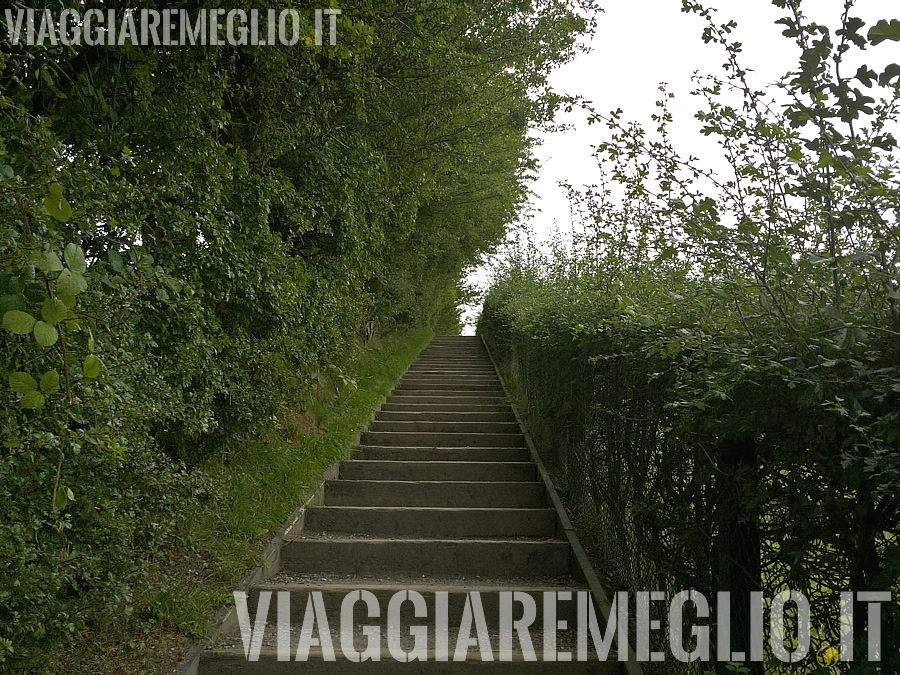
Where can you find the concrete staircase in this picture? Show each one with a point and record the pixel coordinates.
(441, 496)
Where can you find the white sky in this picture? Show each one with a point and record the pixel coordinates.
(641, 43)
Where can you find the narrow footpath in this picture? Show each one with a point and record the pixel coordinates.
(441, 496)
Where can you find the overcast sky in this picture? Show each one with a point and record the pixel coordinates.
(641, 43)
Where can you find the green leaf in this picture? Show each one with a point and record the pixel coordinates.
(33, 400)
(91, 366)
(58, 208)
(45, 334)
(890, 73)
(22, 383)
(115, 259)
(54, 311)
(56, 190)
(20, 323)
(71, 282)
(50, 382)
(74, 255)
(885, 30)
(68, 300)
(49, 262)
(61, 498)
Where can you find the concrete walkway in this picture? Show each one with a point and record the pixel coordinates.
(441, 497)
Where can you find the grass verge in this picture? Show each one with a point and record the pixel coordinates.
(249, 496)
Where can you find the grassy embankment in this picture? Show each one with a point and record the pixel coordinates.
(249, 495)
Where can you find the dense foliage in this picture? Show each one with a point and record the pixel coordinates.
(717, 360)
(190, 234)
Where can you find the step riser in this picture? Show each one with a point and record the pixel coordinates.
(434, 416)
(433, 523)
(566, 610)
(425, 454)
(430, 558)
(445, 427)
(498, 472)
(443, 440)
(438, 495)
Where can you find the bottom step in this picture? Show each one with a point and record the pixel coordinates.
(233, 661)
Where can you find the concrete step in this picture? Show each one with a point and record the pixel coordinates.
(428, 454)
(447, 359)
(463, 365)
(442, 440)
(503, 472)
(466, 367)
(443, 494)
(440, 382)
(441, 416)
(432, 523)
(222, 661)
(333, 596)
(443, 398)
(445, 427)
(546, 558)
(446, 408)
(459, 385)
(450, 371)
(444, 375)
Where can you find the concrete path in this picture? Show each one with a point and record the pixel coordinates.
(441, 497)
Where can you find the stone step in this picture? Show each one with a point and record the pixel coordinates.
(443, 439)
(432, 523)
(445, 427)
(458, 557)
(503, 472)
(443, 494)
(427, 454)
(444, 416)
(333, 597)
